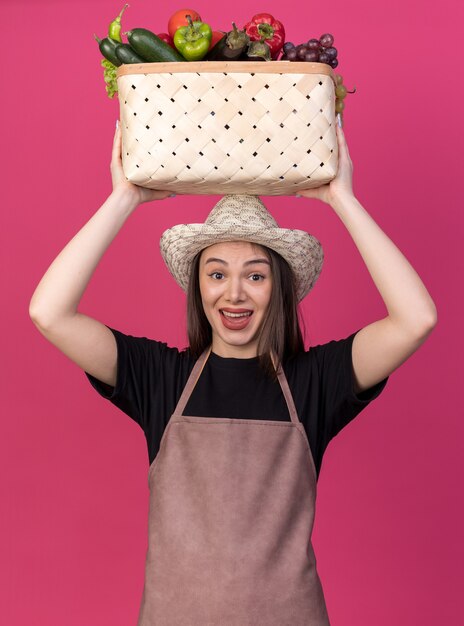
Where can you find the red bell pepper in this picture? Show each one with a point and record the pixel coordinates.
(263, 27)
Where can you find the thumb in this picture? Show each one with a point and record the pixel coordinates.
(310, 193)
(156, 194)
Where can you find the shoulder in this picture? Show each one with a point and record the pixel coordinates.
(319, 351)
(142, 347)
(332, 358)
(333, 351)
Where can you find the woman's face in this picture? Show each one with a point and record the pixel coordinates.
(235, 286)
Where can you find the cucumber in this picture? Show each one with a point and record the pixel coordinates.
(151, 47)
(108, 49)
(125, 54)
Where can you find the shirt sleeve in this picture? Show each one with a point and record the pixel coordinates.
(138, 362)
(336, 379)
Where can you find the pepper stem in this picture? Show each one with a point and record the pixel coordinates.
(266, 31)
(118, 19)
(192, 34)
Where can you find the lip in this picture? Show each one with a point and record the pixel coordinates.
(238, 323)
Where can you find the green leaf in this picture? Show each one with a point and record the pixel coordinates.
(109, 76)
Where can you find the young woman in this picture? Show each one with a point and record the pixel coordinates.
(236, 424)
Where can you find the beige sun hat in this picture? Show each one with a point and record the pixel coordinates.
(242, 217)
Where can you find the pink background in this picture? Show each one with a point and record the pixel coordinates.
(74, 494)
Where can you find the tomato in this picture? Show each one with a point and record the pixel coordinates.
(217, 35)
(179, 18)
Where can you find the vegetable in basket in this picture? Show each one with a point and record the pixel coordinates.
(110, 64)
(258, 51)
(179, 18)
(263, 25)
(166, 37)
(114, 30)
(109, 76)
(151, 47)
(193, 40)
(216, 36)
(108, 49)
(231, 47)
(126, 54)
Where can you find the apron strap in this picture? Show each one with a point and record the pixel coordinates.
(198, 368)
(285, 390)
(192, 381)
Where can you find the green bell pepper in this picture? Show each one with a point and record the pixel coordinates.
(193, 41)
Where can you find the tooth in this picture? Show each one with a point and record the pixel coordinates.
(228, 314)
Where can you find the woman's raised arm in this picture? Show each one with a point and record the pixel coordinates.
(382, 346)
(54, 304)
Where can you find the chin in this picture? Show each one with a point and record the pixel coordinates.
(244, 342)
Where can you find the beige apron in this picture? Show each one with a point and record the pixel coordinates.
(231, 513)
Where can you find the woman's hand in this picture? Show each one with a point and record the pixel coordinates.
(342, 185)
(120, 181)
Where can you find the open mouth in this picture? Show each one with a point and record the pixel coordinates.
(236, 320)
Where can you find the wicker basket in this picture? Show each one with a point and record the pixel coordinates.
(212, 127)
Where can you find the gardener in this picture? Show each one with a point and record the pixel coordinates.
(236, 424)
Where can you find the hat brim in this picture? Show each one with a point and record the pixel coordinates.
(180, 244)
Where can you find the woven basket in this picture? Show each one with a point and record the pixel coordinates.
(212, 127)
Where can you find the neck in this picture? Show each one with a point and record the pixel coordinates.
(228, 351)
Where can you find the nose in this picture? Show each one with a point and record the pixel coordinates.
(234, 290)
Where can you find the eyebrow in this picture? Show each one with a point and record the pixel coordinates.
(251, 262)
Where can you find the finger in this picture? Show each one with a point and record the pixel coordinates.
(160, 195)
(155, 194)
(341, 134)
(310, 193)
(343, 146)
(117, 143)
(117, 130)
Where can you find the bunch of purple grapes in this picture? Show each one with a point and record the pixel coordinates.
(314, 51)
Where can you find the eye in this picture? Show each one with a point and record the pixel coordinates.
(256, 277)
(215, 275)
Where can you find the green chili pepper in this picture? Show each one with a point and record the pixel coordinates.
(193, 40)
(114, 30)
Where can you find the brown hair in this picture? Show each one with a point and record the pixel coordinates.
(280, 331)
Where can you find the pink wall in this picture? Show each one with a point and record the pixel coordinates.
(74, 496)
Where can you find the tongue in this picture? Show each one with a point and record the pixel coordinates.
(235, 323)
